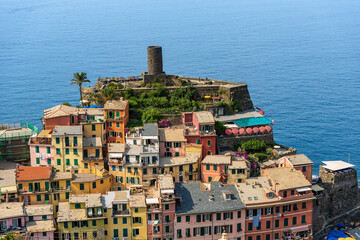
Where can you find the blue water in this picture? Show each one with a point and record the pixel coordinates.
(300, 58)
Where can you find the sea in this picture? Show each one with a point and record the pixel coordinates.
(300, 58)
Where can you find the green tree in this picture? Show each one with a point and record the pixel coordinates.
(253, 146)
(80, 79)
(219, 128)
(129, 92)
(151, 115)
(67, 104)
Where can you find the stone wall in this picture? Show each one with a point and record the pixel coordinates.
(226, 142)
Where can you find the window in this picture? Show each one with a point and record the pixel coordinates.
(178, 233)
(167, 229)
(117, 124)
(295, 207)
(187, 218)
(209, 143)
(77, 205)
(49, 161)
(187, 232)
(144, 171)
(135, 170)
(292, 192)
(116, 233)
(129, 170)
(57, 140)
(37, 160)
(154, 171)
(67, 151)
(94, 185)
(303, 205)
(75, 151)
(207, 167)
(58, 151)
(287, 208)
(38, 198)
(136, 210)
(44, 217)
(93, 127)
(259, 226)
(239, 227)
(31, 218)
(286, 222)
(115, 221)
(268, 211)
(81, 186)
(304, 168)
(250, 226)
(106, 221)
(20, 186)
(125, 232)
(239, 214)
(167, 206)
(124, 220)
(218, 216)
(136, 232)
(58, 161)
(94, 223)
(294, 220)
(276, 236)
(76, 162)
(303, 219)
(208, 153)
(177, 145)
(267, 236)
(37, 149)
(258, 237)
(228, 215)
(268, 224)
(67, 162)
(66, 225)
(167, 218)
(67, 195)
(47, 149)
(168, 144)
(277, 223)
(178, 219)
(277, 209)
(197, 141)
(198, 218)
(47, 198)
(215, 167)
(285, 194)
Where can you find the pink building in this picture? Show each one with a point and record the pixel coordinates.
(41, 149)
(12, 218)
(215, 167)
(172, 142)
(40, 221)
(206, 209)
(300, 162)
(200, 129)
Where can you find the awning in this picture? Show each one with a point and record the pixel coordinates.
(317, 188)
(167, 191)
(304, 189)
(152, 201)
(116, 155)
(253, 121)
(10, 189)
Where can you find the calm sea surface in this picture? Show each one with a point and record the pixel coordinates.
(300, 58)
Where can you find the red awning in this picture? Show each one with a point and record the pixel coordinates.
(268, 128)
(249, 130)
(262, 129)
(228, 132)
(235, 131)
(255, 129)
(241, 131)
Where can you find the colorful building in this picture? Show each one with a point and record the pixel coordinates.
(205, 210)
(172, 142)
(8, 187)
(117, 215)
(215, 167)
(98, 182)
(40, 222)
(34, 184)
(68, 145)
(277, 207)
(12, 218)
(116, 116)
(300, 162)
(81, 218)
(41, 149)
(60, 188)
(92, 154)
(200, 129)
(138, 213)
(116, 158)
(238, 171)
(167, 203)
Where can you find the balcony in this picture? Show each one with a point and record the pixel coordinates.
(120, 212)
(92, 158)
(43, 141)
(12, 230)
(151, 149)
(193, 131)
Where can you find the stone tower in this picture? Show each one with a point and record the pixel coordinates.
(155, 64)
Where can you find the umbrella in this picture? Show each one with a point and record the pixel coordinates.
(255, 129)
(241, 131)
(235, 131)
(249, 130)
(262, 129)
(268, 128)
(228, 132)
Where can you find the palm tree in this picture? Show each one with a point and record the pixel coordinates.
(105, 94)
(79, 79)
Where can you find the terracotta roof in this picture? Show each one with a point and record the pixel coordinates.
(281, 176)
(205, 117)
(27, 173)
(171, 135)
(116, 104)
(60, 111)
(217, 159)
(45, 134)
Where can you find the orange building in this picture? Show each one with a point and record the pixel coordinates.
(215, 167)
(116, 115)
(300, 162)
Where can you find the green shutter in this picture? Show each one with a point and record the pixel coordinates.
(20, 186)
(75, 162)
(58, 161)
(49, 161)
(121, 179)
(31, 187)
(47, 186)
(37, 160)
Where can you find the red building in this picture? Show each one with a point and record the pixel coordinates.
(200, 129)
(276, 207)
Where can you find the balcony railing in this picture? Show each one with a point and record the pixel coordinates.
(121, 212)
(45, 141)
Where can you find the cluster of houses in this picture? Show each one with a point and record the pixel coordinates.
(92, 178)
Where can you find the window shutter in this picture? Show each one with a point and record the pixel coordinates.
(47, 186)
(209, 230)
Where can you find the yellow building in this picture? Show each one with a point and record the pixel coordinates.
(92, 154)
(81, 218)
(238, 172)
(68, 143)
(184, 168)
(60, 184)
(138, 214)
(94, 129)
(98, 182)
(117, 215)
(34, 184)
(116, 155)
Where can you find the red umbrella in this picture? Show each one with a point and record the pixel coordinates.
(249, 130)
(241, 131)
(268, 128)
(255, 129)
(228, 132)
(262, 129)
(235, 131)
